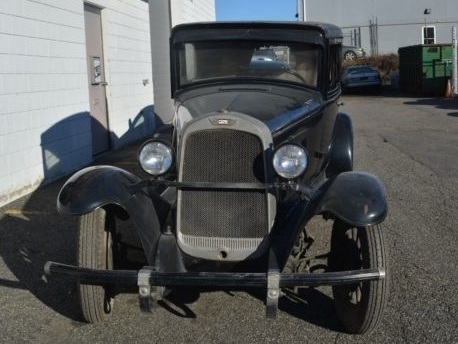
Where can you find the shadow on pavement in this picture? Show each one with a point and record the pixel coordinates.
(32, 232)
(313, 306)
(439, 103)
(308, 304)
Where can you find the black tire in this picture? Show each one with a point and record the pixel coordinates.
(350, 55)
(359, 306)
(95, 250)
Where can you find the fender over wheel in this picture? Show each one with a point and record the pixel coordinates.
(359, 306)
(95, 250)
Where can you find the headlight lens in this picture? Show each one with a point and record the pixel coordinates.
(155, 157)
(290, 161)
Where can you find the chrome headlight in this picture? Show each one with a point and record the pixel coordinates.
(155, 157)
(290, 161)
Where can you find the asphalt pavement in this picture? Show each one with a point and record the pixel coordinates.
(411, 144)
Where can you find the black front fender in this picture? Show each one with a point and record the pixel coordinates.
(340, 158)
(95, 187)
(357, 198)
(101, 186)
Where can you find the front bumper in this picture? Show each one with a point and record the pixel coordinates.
(151, 283)
(211, 279)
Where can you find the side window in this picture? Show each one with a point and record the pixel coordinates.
(334, 64)
(429, 35)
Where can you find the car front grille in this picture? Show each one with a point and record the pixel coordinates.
(219, 219)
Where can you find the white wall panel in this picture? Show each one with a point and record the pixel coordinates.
(44, 118)
(127, 50)
(45, 128)
(399, 22)
(185, 11)
(39, 45)
(163, 16)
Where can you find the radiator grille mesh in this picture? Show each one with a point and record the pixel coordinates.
(223, 156)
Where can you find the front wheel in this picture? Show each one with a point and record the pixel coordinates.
(350, 55)
(95, 251)
(359, 306)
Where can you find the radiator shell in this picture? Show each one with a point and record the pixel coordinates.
(217, 224)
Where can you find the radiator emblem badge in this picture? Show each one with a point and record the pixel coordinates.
(222, 121)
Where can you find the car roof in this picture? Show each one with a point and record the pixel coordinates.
(328, 30)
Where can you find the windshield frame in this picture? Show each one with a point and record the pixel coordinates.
(319, 34)
(265, 61)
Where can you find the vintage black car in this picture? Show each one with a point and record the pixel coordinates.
(258, 148)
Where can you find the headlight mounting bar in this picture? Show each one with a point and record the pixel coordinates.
(306, 192)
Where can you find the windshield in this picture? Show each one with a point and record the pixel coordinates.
(290, 62)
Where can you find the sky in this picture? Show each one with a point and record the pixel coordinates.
(255, 10)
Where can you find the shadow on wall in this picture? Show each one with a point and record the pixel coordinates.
(33, 232)
(67, 146)
(140, 128)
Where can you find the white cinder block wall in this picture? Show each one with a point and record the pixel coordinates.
(180, 11)
(42, 83)
(187, 11)
(45, 128)
(127, 50)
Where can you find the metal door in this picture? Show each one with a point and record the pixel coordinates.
(96, 79)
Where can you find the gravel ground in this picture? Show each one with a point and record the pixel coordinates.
(410, 143)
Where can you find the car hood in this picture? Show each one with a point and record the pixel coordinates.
(273, 105)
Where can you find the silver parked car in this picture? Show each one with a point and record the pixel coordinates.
(361, 77)
(351, 52)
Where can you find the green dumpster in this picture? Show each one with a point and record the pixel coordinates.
(425, 69)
